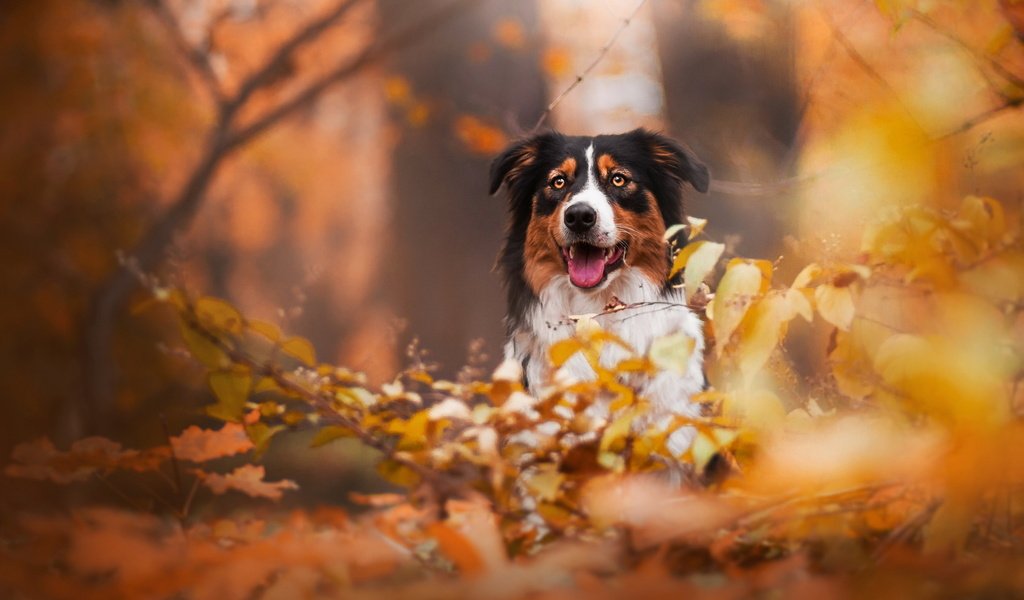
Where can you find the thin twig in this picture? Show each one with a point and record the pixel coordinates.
(865, 66)
(186, 508)
(323, 403)
(174, 456)
(369, 55)
(120, 494)
(1002, 71)
(597, 59)
(983, 116)
(199, 59)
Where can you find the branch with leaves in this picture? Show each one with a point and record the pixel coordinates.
(223, 140)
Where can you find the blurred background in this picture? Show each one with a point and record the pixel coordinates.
(323, 164)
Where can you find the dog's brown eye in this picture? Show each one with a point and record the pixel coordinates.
(558, 182)
(618, 180)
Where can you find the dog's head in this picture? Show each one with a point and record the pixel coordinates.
(588, 206)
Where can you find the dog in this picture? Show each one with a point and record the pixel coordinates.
(588, 217)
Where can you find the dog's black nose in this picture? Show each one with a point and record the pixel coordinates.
(580, 217)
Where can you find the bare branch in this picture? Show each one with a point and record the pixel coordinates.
(983, 116)
(222, 141)
(369, 55)
(865, 66)
(281, 59)
(198, 59)
(597, 59)
(1011, 77)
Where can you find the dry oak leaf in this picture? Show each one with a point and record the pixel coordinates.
(247, 479)
(40, 459)
(200, 445)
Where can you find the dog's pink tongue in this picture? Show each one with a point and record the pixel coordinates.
(586, 268)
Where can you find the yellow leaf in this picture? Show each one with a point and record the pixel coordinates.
(397, 473)
(414, 434)
(260, 434)
(806, 275)
(218, 315)
(740, 284)
(696, 226)
(449, 408)
(850, 366)
(202, 348)
(266, 329)
(545, 483)
(300, 348)
(510, 370)
(700, 264)
(702, 450)
(798, 304)
(563, 350)
(330, 433)
(672, 231)
(231, 387)
(835, 305)
(759, 409)
(759, 333)
(615, 434)
(672, 352)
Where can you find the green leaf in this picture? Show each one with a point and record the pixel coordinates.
(231, 387)
(202, 348)
(260, 434)
(398, 473)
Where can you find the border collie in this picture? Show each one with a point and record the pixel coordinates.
(588, 219)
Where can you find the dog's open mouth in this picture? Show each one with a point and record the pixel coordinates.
(589, 265)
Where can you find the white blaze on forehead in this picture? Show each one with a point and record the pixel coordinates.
(604, 232)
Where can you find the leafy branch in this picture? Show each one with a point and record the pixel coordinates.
(223, 139)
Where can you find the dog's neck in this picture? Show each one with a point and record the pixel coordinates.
(560, 299)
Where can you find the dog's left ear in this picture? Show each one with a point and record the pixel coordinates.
(515, 162)
(678, 161)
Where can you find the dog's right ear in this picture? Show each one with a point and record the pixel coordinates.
(512, 164)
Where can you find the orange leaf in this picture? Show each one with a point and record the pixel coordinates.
(456, 548)
(247, 479)
(200, 445)
(478, 136)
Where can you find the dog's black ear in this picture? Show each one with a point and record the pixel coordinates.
(677, 160)
(516, 160)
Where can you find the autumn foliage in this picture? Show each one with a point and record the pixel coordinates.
(890, 462)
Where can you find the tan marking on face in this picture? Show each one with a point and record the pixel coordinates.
(542, 258)
(605, 165)
(567, 168)
(643, 232)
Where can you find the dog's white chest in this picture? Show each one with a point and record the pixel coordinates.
(651, 314)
